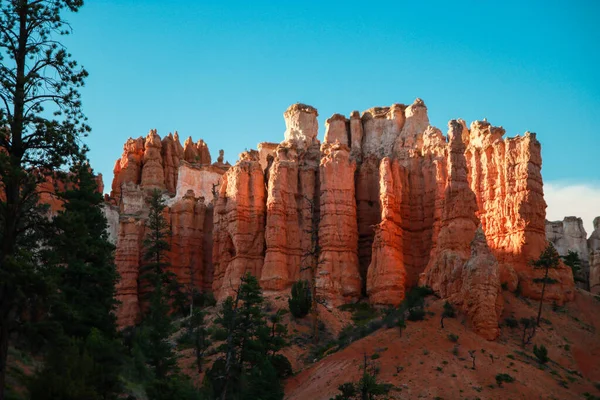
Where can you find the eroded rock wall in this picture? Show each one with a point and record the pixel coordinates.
(569, 235)
(292, 201)
(338, 277)
(188, 189)
(505, 175)
(385, 203)
(462, 268)
(594, 257)
(239, 225)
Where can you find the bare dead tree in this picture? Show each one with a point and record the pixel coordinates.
(472, 353)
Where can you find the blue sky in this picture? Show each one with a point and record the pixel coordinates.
(225, 71)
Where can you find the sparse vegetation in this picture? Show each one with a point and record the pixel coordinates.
(301, 301)
(573, 261)
(453, 337)
(511, 322)
(448, 312)
(549, 259)
(541, 353)
(529, 325)
(504, 378)
(367, 388)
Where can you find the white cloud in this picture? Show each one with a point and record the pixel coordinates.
(579, 200)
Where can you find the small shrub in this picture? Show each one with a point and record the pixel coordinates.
(504, 285)
(282, 365)
(401, 324)
(541, 353)
(453, 338)
(511, 322)
(502, 378)
(449, 311)
(426, 352)
(416, 314)
(439, 369)
(567, 347)
(518, 290)
(455, 350)
(301, 300)
(375, 356)
(390, 316)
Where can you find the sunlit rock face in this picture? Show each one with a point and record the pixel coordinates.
(462, 267)
(384, 203)
(239, 225)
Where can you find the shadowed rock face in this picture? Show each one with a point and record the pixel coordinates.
(385, 202)
(189, 184)
(594, 257)
(569, 235)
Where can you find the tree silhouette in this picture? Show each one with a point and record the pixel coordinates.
(41, 123)
(548, 259)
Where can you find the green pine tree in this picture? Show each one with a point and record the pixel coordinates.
(157, 323)
(549, 259)
(86, 345)
(41, 126)
(245, 368)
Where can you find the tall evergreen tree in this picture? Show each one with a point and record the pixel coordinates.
(81, 249)
(157, 324)
(85, 302)
(41, 121)
(549, 259)
(159, 282)
(245, 369)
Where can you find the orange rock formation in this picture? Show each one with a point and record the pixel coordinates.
(385, 202)
(152, 163)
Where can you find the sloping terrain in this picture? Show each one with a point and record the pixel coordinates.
(422, 361)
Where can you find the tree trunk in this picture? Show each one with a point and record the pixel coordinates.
(3, 357)
(12, 188)
(539, 316)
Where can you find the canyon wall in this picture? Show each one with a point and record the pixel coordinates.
(594, 258)
(384, 203)
(569, 235)
(189, 183)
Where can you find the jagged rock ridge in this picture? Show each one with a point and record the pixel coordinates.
(385, 202)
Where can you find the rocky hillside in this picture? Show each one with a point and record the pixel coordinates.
(384, 203)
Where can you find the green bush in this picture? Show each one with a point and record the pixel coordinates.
(449, 311)
(282, 365)
(453, 338)
(511, 322)
(416, 314)
(501, 378)
(301, 299)
(541, 353)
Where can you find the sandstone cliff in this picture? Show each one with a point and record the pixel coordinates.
(594, 257)
(385, 202)
(462, 268)
(569, 235)
(292, 201)
(189, 189)
(239, 225)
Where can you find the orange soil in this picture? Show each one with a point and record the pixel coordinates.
(420, 363)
